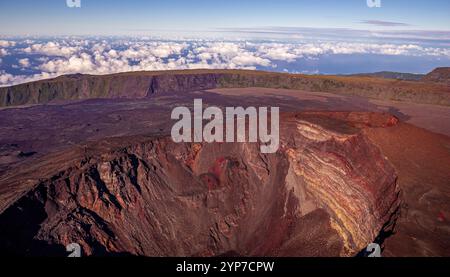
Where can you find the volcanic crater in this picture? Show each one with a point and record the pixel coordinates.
(328, 191)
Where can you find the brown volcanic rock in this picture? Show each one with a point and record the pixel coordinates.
(152, 197)
(344, 173)
(145, 84)
(439, 75)
(125, 85)
(422, 162)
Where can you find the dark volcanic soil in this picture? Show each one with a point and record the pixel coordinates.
(31, 132)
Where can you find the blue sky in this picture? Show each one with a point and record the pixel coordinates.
(116, 17)
(45, 38)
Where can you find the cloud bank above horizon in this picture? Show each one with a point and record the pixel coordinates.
(28, 59)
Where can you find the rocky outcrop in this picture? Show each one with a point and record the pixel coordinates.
(344, 173)
(152, 197)
(439, 75)
(145, 84)
(78, 86)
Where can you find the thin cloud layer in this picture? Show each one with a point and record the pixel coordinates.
(385, 23)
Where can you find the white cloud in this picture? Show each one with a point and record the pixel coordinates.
(52, 49)
(315, 49)
(205, 56)
(5, 78)
(24, 62)
(76, 64)
(224, 49)
(6, 43)
(156, 49)
(278, 52)
(99, 56)
(113, 54)
(3, 52)
(247, 59)
(228, 55)
(165, 50)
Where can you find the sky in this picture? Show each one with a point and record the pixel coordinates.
(46, 38)
(118, 17)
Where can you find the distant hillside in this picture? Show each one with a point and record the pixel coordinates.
(439, 75)
(145, 84)
(392, 75)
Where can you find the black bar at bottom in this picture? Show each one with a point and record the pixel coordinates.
(128, 267)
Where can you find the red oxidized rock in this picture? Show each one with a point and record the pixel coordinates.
(327, 191)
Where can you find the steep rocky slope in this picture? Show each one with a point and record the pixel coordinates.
(145, 84)
(422, 163)
(439, 75)
(328, 189)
